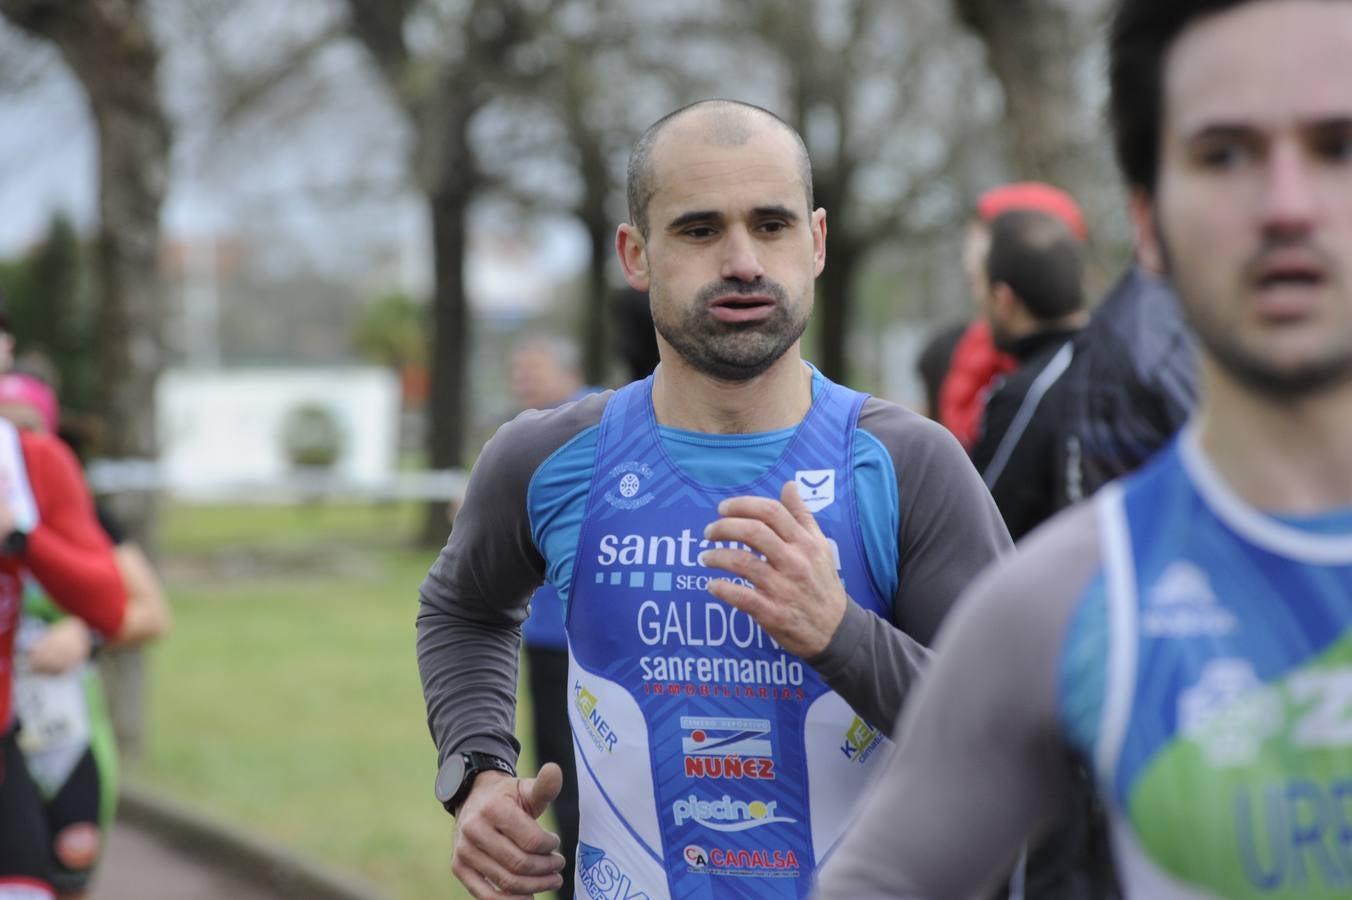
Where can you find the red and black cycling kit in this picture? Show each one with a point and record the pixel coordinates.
(70, 556)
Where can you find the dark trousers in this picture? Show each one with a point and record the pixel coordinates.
(547, 673)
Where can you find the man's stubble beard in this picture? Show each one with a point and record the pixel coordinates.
(734, 352)
(1248, 367)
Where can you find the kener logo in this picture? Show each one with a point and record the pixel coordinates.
(861, 741)
(597, 727)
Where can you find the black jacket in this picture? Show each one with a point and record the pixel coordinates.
(1131, 386)
(1016, 452)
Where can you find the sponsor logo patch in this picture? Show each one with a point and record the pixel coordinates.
(597, 728)
(603, 878)
(1230, 712)
(726, 814)
(862, 740)
(1182, 604)
(717, 747)
(817, 488)
(628, 486)
(743, 863)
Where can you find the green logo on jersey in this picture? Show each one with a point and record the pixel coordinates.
(1254, 797)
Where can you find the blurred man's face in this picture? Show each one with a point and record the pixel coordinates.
(23, 416)
(976, 248)
(1252, 211)
(732, 252)
(6, 352)
(538, 381)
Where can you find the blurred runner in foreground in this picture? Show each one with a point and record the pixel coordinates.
(1189, 632)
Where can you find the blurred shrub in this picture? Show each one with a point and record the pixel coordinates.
(312, 436)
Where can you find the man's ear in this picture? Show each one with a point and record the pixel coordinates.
(1005, 304)
(1149, 250)
(631, 248)
(817, 221)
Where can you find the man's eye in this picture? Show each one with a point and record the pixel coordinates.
(774, 226)
(1335, 146)
(1222, 156)
(698, 232)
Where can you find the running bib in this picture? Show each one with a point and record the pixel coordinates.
(53, 714)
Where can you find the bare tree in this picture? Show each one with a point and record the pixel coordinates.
(441, 91)
(109, 46)
(593, 84)
(883, 95)
(1043, 53)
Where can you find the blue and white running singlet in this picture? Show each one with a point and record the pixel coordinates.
(711, 762)
(1225, 747)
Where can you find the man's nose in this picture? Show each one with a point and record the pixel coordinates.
(1290, 195)
(741, 261)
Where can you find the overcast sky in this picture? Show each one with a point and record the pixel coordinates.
(322, 192)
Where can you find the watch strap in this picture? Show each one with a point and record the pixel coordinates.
(470, 764)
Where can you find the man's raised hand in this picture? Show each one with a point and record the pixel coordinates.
(798, 597)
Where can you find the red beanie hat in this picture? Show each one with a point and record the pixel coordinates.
(1034, 195)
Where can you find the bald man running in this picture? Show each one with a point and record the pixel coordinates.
(727, 706)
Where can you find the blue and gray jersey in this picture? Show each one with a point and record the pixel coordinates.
(705, 749)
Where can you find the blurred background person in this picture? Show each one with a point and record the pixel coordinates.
(546, 371)
(65, 733)
(1129, 388)
(1034, 304)
(976, 362)
(934, 360)
(635, 336)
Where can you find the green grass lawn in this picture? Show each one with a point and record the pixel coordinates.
(287, 701)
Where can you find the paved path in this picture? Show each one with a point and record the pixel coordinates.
(140, 866)
(163, 850)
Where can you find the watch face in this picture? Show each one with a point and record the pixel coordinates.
(450, 775)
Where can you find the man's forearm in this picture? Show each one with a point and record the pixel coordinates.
(468, 672)
(872, 664)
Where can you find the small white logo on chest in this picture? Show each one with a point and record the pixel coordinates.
(1182, 604)
(817, 487)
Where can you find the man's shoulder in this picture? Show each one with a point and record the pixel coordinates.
(899, 428)
(537, 433)
(1044, 579)
(522, 445)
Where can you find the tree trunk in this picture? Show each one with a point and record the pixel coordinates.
(110, 47)
(1032, 46)
(597, 308)
(446, 407)
(833, 309)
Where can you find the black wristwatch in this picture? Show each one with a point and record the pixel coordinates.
(457, 774)
(14, 543)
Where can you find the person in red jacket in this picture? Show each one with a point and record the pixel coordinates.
(976, 363)
(47, 529)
